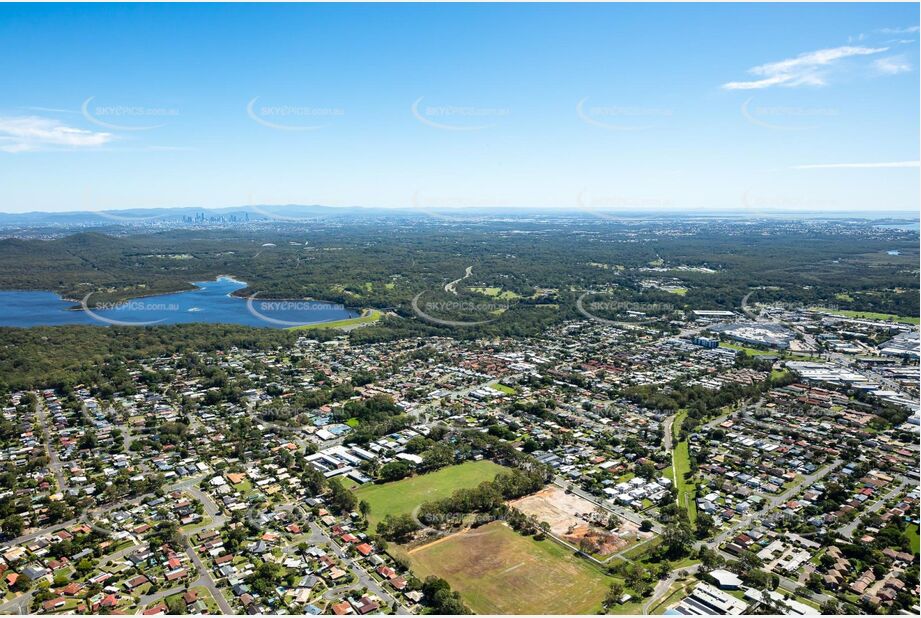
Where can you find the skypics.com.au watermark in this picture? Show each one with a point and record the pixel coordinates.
(296, 305)
(628, 307)
(126, 308)
(785, 117)
(442, 312)
(631, 312)
(621, 117)
(455, 208)
(135, 305)
(457, 117)
(122, 117)
(259, 308)
(292, 117)
(764, 202)
(607, 206)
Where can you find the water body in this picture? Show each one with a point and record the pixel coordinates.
(211, 302)
(905, 227)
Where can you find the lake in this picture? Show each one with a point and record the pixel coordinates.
(210, 302)
(905, 227)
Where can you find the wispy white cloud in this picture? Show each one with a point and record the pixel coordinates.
(906, 30)
(806, 69)
(54, 110)
(31, 133)
(833, 166)
(892, 65)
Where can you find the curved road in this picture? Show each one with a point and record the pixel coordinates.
(665, 585)
(745, 308)
(452, 287)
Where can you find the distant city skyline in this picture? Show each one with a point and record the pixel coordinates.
(735, 107)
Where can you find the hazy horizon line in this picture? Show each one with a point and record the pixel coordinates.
(914, 214)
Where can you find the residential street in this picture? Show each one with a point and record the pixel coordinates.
(19, 605)
(664, 585)
(363, 577)
(54, 463)
(206, 580)
(847, 531)
(771, 503)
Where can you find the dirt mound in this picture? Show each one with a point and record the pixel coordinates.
(595, 541)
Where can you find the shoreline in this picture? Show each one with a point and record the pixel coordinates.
(352, 313)
(194, 286)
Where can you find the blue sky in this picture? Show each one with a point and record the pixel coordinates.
(760, 107)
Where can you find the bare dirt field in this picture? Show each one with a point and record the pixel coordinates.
(573, 519)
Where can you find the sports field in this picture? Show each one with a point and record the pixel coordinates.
(747, 350)
(403, 496)
(498, 571)
(497, 293)
(870, 315)
(367, 316)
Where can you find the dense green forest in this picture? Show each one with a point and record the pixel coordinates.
(524, 276)
(386, 264)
